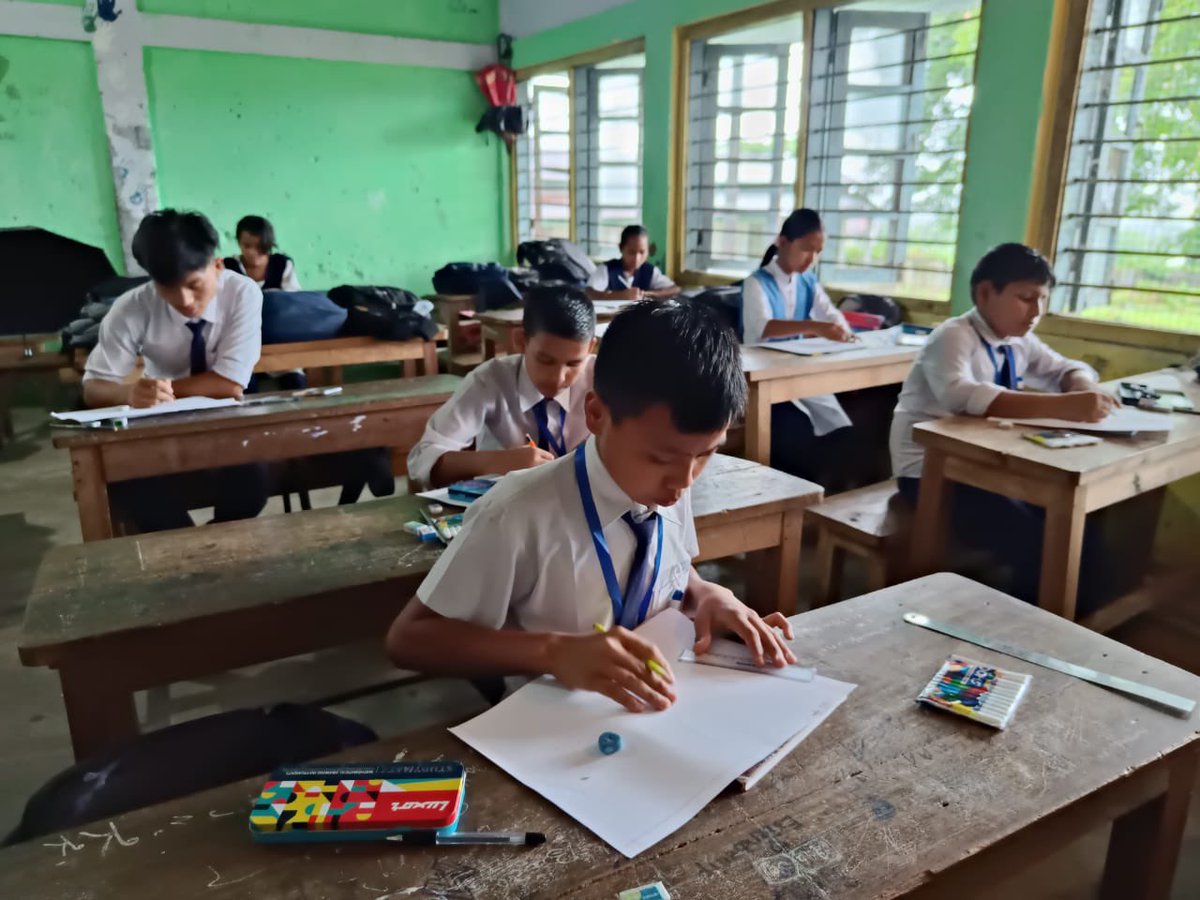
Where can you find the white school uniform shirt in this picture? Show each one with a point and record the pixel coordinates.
(954, 375)
(142, 322)
(525, 557)
(493, 408)
(599, 279)
(823, 410)
(288, 281)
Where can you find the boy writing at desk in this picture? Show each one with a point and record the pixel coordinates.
(976, 364)
(518, 411)
(198, 330)
(603, 536)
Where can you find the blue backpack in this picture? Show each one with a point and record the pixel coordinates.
(289, 316)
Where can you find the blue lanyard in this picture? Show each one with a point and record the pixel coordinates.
(615, 594)
(557, 447)
(1008, 358)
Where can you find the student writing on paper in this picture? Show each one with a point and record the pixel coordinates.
(198, 329)
(810, 438)
(630, 276)
(601, 536)
(978, 364)
(538, 394)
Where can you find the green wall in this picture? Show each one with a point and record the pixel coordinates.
(1014, 40)
(473, 21)
(370, 173)
(54, 164)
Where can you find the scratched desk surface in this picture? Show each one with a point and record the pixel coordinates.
(883, 797)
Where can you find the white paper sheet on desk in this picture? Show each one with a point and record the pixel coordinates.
(812, 346)
(1123, 420)
(672, 763)
(184, 404)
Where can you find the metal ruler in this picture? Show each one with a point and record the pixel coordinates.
(1181, 706)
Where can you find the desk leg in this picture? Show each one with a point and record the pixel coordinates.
(774, 576)
(758, 425)
(1144, 846)
(931, 524)
(489, 345)
(1062, 548)
(430, 364)
(91, 494)
(100, 715)
(409, 368)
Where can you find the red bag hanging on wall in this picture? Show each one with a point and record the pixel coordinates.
(498, 83)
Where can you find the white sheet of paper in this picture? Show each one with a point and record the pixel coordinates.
(672, 763)
(812, 346)
(184, 404)
(1123, 420)
(732, 655)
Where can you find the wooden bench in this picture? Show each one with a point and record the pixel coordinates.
(861, 522)
(118, 616)
(884, 799)
(334, 353)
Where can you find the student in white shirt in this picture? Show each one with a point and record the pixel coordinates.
(537, 394)
(257, 258)
(811, 438)
(977, 364)
(198, 330)
(602, 536)
(630, 276)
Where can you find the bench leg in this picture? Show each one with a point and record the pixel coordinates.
(429, 364)
(409, 368)
(877, 572)
(830, 559)
(1143, 848)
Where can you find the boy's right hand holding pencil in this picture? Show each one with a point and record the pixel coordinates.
(616, 663)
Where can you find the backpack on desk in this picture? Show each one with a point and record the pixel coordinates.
(557, 260)
(289, 316)
(387, 313)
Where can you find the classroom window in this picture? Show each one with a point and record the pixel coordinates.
(608, 151)
(891, 94)
(543, 159)
(1129, 228)
(743, 130)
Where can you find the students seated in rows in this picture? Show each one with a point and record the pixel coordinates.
(198, 329)
(631, 277)
(810, 438)
(976, 364)
(602, 536)
(517, 411)
(258, 260)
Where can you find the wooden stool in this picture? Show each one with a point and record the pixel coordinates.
(862, 522)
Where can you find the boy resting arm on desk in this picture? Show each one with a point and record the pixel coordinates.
(602, 536)
(537, 394)
(197, 327)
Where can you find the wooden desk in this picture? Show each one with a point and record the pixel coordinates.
(885, 799)
(372, 414)
(15, 364)
(334, 353)
(137, 612)
(776, 377)
(500, 326)
(1069, 483)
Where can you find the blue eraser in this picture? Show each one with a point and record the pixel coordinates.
(610, 742)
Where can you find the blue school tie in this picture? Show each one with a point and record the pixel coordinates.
(1007, 376)
(638, 582)
(546, 440)
(199, 348)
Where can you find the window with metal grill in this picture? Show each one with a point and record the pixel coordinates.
(891, 92)
(1128, 246)
(543, 158)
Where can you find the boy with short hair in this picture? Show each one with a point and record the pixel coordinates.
(517, 411)
(198, 329)
(603, 536)
(975, 364)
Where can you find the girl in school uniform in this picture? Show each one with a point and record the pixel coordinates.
(810, 438)
(258, 260)
(630, 276)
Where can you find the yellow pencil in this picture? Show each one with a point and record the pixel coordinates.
(651, 664)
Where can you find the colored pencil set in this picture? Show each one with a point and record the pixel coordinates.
(983, 693)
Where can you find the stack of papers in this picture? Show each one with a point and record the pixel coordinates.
(1122, 420)
(673, 763)
(186, 404)
(812, 346)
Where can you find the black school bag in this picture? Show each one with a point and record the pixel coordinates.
(557, 260)
(466, 277)
(387, 313)
(726, 302)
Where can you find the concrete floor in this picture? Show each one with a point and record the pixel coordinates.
(37, 512)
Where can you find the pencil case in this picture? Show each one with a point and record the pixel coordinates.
(469, 491)
(358, 802)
